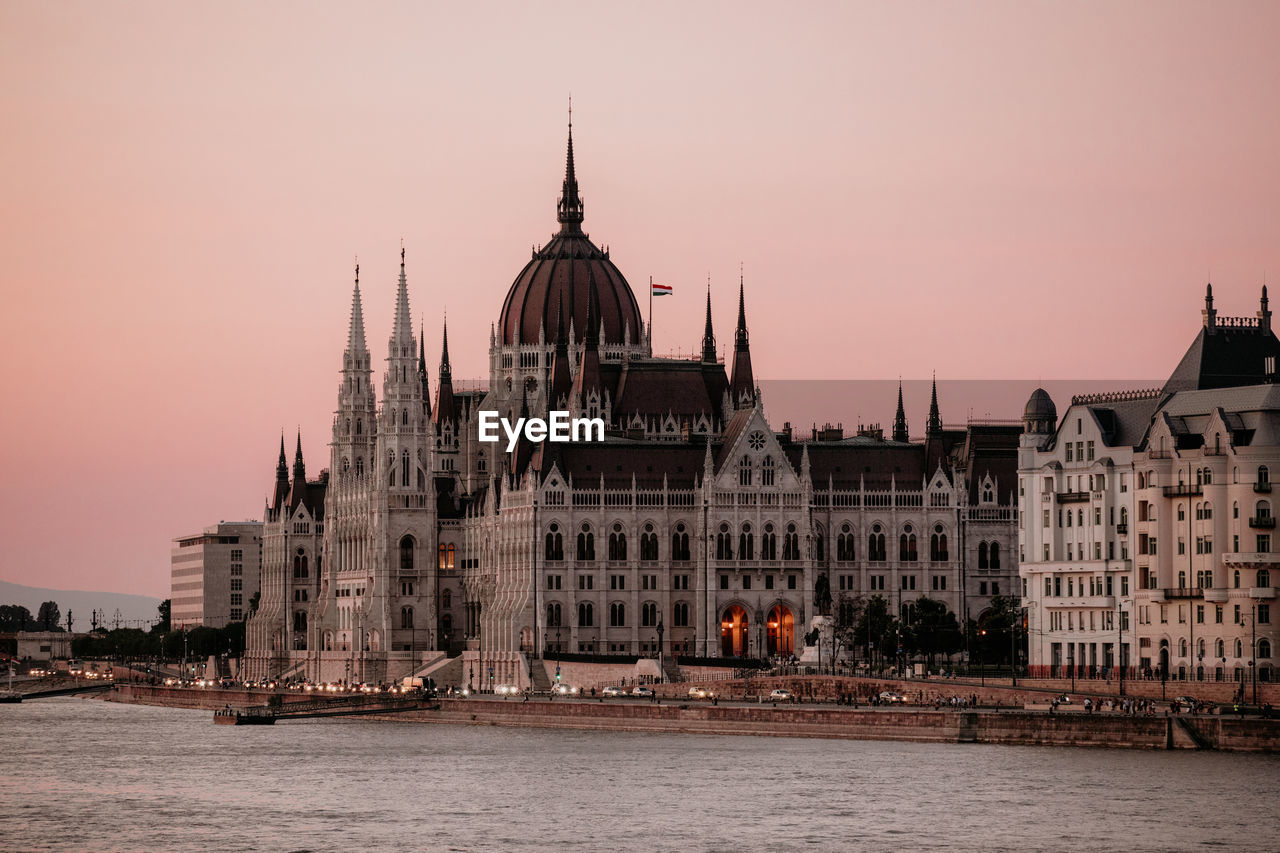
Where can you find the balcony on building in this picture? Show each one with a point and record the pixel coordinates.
(1072, 497)
(1262, 592)
(1184, 490)
(1216, 595)
(1262, 487)
(1262, 522)
(1175, 592)
(1250, 559)
(1122, 528)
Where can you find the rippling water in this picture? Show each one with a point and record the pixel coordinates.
(79, 774)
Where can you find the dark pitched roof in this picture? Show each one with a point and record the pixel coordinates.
(1224, 357)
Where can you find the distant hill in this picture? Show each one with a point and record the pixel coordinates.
(134, 609)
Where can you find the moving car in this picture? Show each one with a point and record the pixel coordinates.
(893, 697)
(506, 690)
(700, 693)
(780, 695)
(614, 690)
(564, 690)
(641, 690)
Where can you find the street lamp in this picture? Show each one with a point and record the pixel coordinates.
(983, 633)
(661, 670)
(1120, 640)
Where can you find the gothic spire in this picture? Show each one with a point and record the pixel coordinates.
(561, 383)
(569, 210)
(935, 419)
(402, 330)
(708, 334)
(355, 334)
(422, 369)
(743, 383)
(282, 478)
(589, 369)
(446, 411)
(298, 492)
(900, 419)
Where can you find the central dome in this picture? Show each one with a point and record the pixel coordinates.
(562, 273)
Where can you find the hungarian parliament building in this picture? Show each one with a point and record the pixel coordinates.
(695, 528)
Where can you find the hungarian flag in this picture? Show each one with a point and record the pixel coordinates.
(661, 289)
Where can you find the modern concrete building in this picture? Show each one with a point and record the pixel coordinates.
(1146, 521)
(215, 574)
(44, 645)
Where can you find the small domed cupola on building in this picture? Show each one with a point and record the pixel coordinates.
(1041, 416)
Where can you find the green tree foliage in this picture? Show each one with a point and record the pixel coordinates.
(15, 617)
(163, 625)
(934, 630)
(875, 628)
(991, 636)
(49, 616)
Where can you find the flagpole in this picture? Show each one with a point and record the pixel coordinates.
(650, 315)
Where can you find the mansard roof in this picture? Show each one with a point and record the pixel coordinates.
(617, 460)
(1224, 356)
(661, 386)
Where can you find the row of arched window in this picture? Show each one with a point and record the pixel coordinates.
(746, 543)
(1204, 477)
(1220, 648)
(768, 471)
(617, 543)
(617, 614)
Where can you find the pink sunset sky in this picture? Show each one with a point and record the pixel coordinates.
(1017, 190)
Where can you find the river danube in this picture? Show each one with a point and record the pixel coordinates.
(79, 774)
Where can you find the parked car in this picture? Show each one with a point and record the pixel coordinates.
(641, 690)
(893, 697)
(1186, 703)
(506, 690)
(700, 693)
(614, 690)
(780, 695)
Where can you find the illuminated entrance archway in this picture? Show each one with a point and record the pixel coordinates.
(733, 632)
(782, 631)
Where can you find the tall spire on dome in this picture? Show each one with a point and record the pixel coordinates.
(355, 334)
(742, 386)
(708, 334)
(900, 419)
(569, 210)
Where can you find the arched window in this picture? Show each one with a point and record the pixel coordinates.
(406, 554)
(1262, 509)
(555, 543)
(1264, 476)
(617, 543)
(844, 544)
(680, 543)
(744, 471)
(1182, 648)
(404, 468)
(768, 544)
(1239, 648)
(406, 617)
(1235, 578)
(724, 543)
(819, 545)
(299, 620)
(359, 426)
(404, 417)
(1264, 577)
(1264, 648)
(995, 555)
(983, 562)
(938, 544)
(359, 466)
(648, 614)
(617, 615)
(1200, 647)
(586, 544)
(553, 614)
(1219, 649)
(767, 471)
(446, 599)
(791, 544)
(680, 614)
(1124, 515)
(876, 550)
(648, 543)
(586, 615)
(746, 544)
(907, 545)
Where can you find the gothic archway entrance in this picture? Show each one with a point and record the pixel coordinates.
(781, 631)
(733, 632)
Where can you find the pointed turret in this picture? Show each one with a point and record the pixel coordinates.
(422, 371)
(446, 411)
(742, 385)
(402, 328)
(561, 380)
(934, 426)
(282, 479)
(298, 491)
(355, 334)
(569, 210)
(900, 419)
(1209, 315)
(588, 378)
(1264, 311)
(708, 334)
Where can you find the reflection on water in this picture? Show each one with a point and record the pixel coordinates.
(79, 774)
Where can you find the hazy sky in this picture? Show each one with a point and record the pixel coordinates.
(1030, 190)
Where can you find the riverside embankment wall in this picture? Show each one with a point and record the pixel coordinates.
(907, 724)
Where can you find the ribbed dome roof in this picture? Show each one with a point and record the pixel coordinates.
(562, 273)
(1040, 406)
